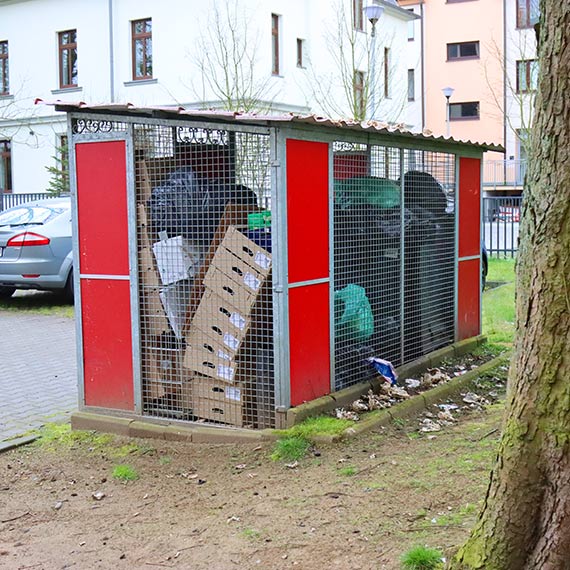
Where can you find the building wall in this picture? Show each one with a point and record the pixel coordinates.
(478, 79)
(105, 74)
(520, 44)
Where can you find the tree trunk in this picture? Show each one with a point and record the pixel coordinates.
(525, 523)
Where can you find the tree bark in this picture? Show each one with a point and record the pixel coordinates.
(525, 522)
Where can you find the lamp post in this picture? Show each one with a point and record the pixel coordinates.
(372, 13)
(448, 92)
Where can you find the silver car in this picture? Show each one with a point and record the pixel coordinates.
(35, 247)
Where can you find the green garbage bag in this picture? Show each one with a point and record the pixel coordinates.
(368, 190)
(353, 314)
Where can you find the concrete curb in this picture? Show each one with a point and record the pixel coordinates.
(16, 442)
(348, 395)
(167, 430)
(415, 405)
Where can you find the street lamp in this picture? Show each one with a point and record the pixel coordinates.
(372, 13)
(448, 92)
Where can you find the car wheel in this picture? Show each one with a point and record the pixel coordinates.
(68, 289)
(7, 292)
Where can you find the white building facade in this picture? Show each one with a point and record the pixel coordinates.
(290, 56)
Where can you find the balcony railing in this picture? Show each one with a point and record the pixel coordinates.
(504, 174)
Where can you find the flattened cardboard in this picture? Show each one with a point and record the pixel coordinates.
(238, 270)
(238, 296)
(247, 250)
(210, 389)
(216, 318)
(216, 364)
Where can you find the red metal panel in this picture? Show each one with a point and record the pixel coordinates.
(102, 207)
(350, 165)
(307, 210)
(469, 207)
(309, 342)
(469, 299)
(107, 343)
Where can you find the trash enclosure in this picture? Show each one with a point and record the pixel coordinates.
(230, 267)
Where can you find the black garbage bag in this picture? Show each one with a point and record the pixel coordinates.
(179, 205)
(422, 190)
(191, 206)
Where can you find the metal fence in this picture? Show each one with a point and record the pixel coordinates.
(504, 174)
(10, 200)
(206, 312)
(394, 252)
(204, 249)
(501, 219)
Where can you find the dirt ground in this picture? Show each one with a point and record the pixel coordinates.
(355, 505)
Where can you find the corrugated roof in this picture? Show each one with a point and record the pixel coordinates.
(267, 120)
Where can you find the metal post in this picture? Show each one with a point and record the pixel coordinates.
(372, 71)
(447, 115)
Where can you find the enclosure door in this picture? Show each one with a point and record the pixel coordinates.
(102, 255)
(308, 265)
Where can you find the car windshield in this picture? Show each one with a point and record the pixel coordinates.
(29, 215)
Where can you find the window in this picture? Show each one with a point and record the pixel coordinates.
(5, 167)
(527, 75)
(358, 86)
(387, 73)
(527, 13)
(411, 28)
(275, 44)
(464, 111)
(4, 83)
(67, 59)
(358, 15)
(464, 50)
(411, 85)
(142, 49)
(300, 52)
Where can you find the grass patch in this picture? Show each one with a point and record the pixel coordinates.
(125, 473)
(347, 471)
(251, 533)
(499, 315)
(422, 558)
(53, 436)
(501, 270)
(290, 449)
(40, 302)
(132, 449)
(320, 425)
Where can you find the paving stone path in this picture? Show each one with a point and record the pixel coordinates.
(38, 379)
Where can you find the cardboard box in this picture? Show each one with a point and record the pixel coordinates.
(238, 270)
(216, 401)
(220, 321)
(209, 389)
(247, 250)
(211, 361)
(176, 259)
(235, 214)
(238, 296)
(224, 343)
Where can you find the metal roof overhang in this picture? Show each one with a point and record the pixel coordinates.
(370, 130)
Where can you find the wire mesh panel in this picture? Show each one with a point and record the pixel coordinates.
(205, 259)
(429, 257)
(394, 244)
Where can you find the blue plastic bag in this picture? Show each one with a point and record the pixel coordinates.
(384, 368)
